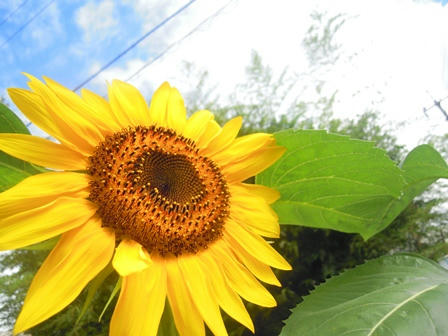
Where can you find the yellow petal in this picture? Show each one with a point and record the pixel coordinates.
(158, 106)
(268, 194)
(196, 278)
(259, 269)
(225, 138)
(254, 245)
(130, 257)
(176, 115)
(186, 316)
(128, 104)
(212, 129)
(76, 259)
(240, 279)
(243, 147)
(33, 108)
(167, 108)
(196, 124)
(252, 165)
(263, 223)
(229, 301)
(41, 151)
(253, 212)
(77, 130)
(88, 112)
(40, 189)
(140, 304)
(32, 226)
(102, 110)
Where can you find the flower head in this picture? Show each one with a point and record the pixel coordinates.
(159, 196)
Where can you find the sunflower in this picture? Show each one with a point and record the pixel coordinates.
(159, 196)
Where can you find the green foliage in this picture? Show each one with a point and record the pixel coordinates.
(419, 228)
(167, 326)
(45, 245)
(12, 170)
(330, 181)
(201, 97)
(259, 99)
(421, 168)
(319, 42)
(392, 295)
(93, 287)
(15, 280)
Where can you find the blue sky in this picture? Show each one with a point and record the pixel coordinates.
(398, 48)
(69, 37)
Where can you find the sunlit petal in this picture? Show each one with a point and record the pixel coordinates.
(77, 258)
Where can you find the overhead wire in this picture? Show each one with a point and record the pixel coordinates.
(11, 13)
(172, 45)
(133, 45)
(23, 26)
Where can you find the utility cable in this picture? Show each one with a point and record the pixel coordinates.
(211, 17)
(13, 12)
(22, 27)
(133, 45)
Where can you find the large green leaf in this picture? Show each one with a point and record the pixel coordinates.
(331, 181)
(12, 170)
(422, 167)
(401, 295)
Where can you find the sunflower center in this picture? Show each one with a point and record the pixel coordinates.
(153, 186)
(173, 175)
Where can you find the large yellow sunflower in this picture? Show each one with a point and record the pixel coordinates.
(159, 196)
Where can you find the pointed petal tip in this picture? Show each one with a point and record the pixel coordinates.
(48, 79)
(287, 267)
(238, 119)
(11, 90)
(165, 85)
(18, 327)
(30, 77)
(118, 82)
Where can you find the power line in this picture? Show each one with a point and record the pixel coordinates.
(13, 12)
(436, 103)
(22, 27)
(211, 17)
(133, 45)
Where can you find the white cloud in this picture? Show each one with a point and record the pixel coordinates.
(97, 20)
(224, 45)
(399, 48)
(400, 53)
(43, 35)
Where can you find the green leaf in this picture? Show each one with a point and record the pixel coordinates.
(10, 123)
(401, 295)
(43, 245)
(13, 170)
(93, 288)
(167, 327)
(422, 167)
(111, 297)
(331, 181)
